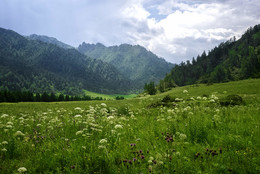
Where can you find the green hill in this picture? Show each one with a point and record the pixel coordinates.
(134, 62)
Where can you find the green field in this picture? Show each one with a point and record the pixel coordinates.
(185, 130)
(108, 96)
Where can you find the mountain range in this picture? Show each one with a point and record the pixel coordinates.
(44, 64)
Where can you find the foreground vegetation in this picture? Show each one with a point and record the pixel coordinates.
(191, 129)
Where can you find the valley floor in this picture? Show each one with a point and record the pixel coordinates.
(191, 129)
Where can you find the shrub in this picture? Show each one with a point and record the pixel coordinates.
(231, 100)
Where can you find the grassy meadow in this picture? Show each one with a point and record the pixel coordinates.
(185, 130)
(107, 96)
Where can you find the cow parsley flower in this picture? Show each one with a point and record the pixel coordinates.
(77, 116)
(4, 115)
(118, 126)
(19, 134)
(185, 91)
(182, 136)
(4, 142)
(4, 150)
(103, 105)
(103, 141)
(110, 117)
(79, 132)
(204, 98)
(77, 108)
(22, 170)
(102, 147)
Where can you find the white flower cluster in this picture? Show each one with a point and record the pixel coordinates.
(22, 170)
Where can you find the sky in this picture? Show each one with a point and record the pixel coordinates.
(176, 30)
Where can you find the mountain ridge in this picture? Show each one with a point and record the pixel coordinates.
(133, 61)
(51, 40)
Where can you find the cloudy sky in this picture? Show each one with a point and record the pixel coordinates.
(176, 30)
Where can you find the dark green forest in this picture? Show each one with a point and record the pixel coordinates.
(27, 96)
(229, 61)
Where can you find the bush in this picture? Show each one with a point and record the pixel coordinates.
(231, 100)
(120, 98)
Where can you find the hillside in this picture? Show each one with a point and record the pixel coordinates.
(232, 60)
(50, 40)
(37, 66)
(134, 62)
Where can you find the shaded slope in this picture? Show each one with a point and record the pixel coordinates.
(37, 66)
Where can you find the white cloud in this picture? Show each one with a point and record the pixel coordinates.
(189, 29)
(174, 29)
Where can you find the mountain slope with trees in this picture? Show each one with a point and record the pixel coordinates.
(134, 62)
(50, 40)
(40, 67)
(231, 60)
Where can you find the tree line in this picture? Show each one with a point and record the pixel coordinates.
(27, 96)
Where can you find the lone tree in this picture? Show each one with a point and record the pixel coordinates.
(150, 88)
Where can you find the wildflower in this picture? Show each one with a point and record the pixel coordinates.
(77, 108)
(77, 116)
(4, 150)
(19, 133)
(103, 105)
(204, 98)
(101, 147)
(79, 132)
(198, 98)
(212, 101)
(118, 126)
(9, 126)
(113, 131)
(183, 136)
(4, 115)
(110, 117)
(185, 91)
(22, 170)
(103, 141)
(4, 142)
